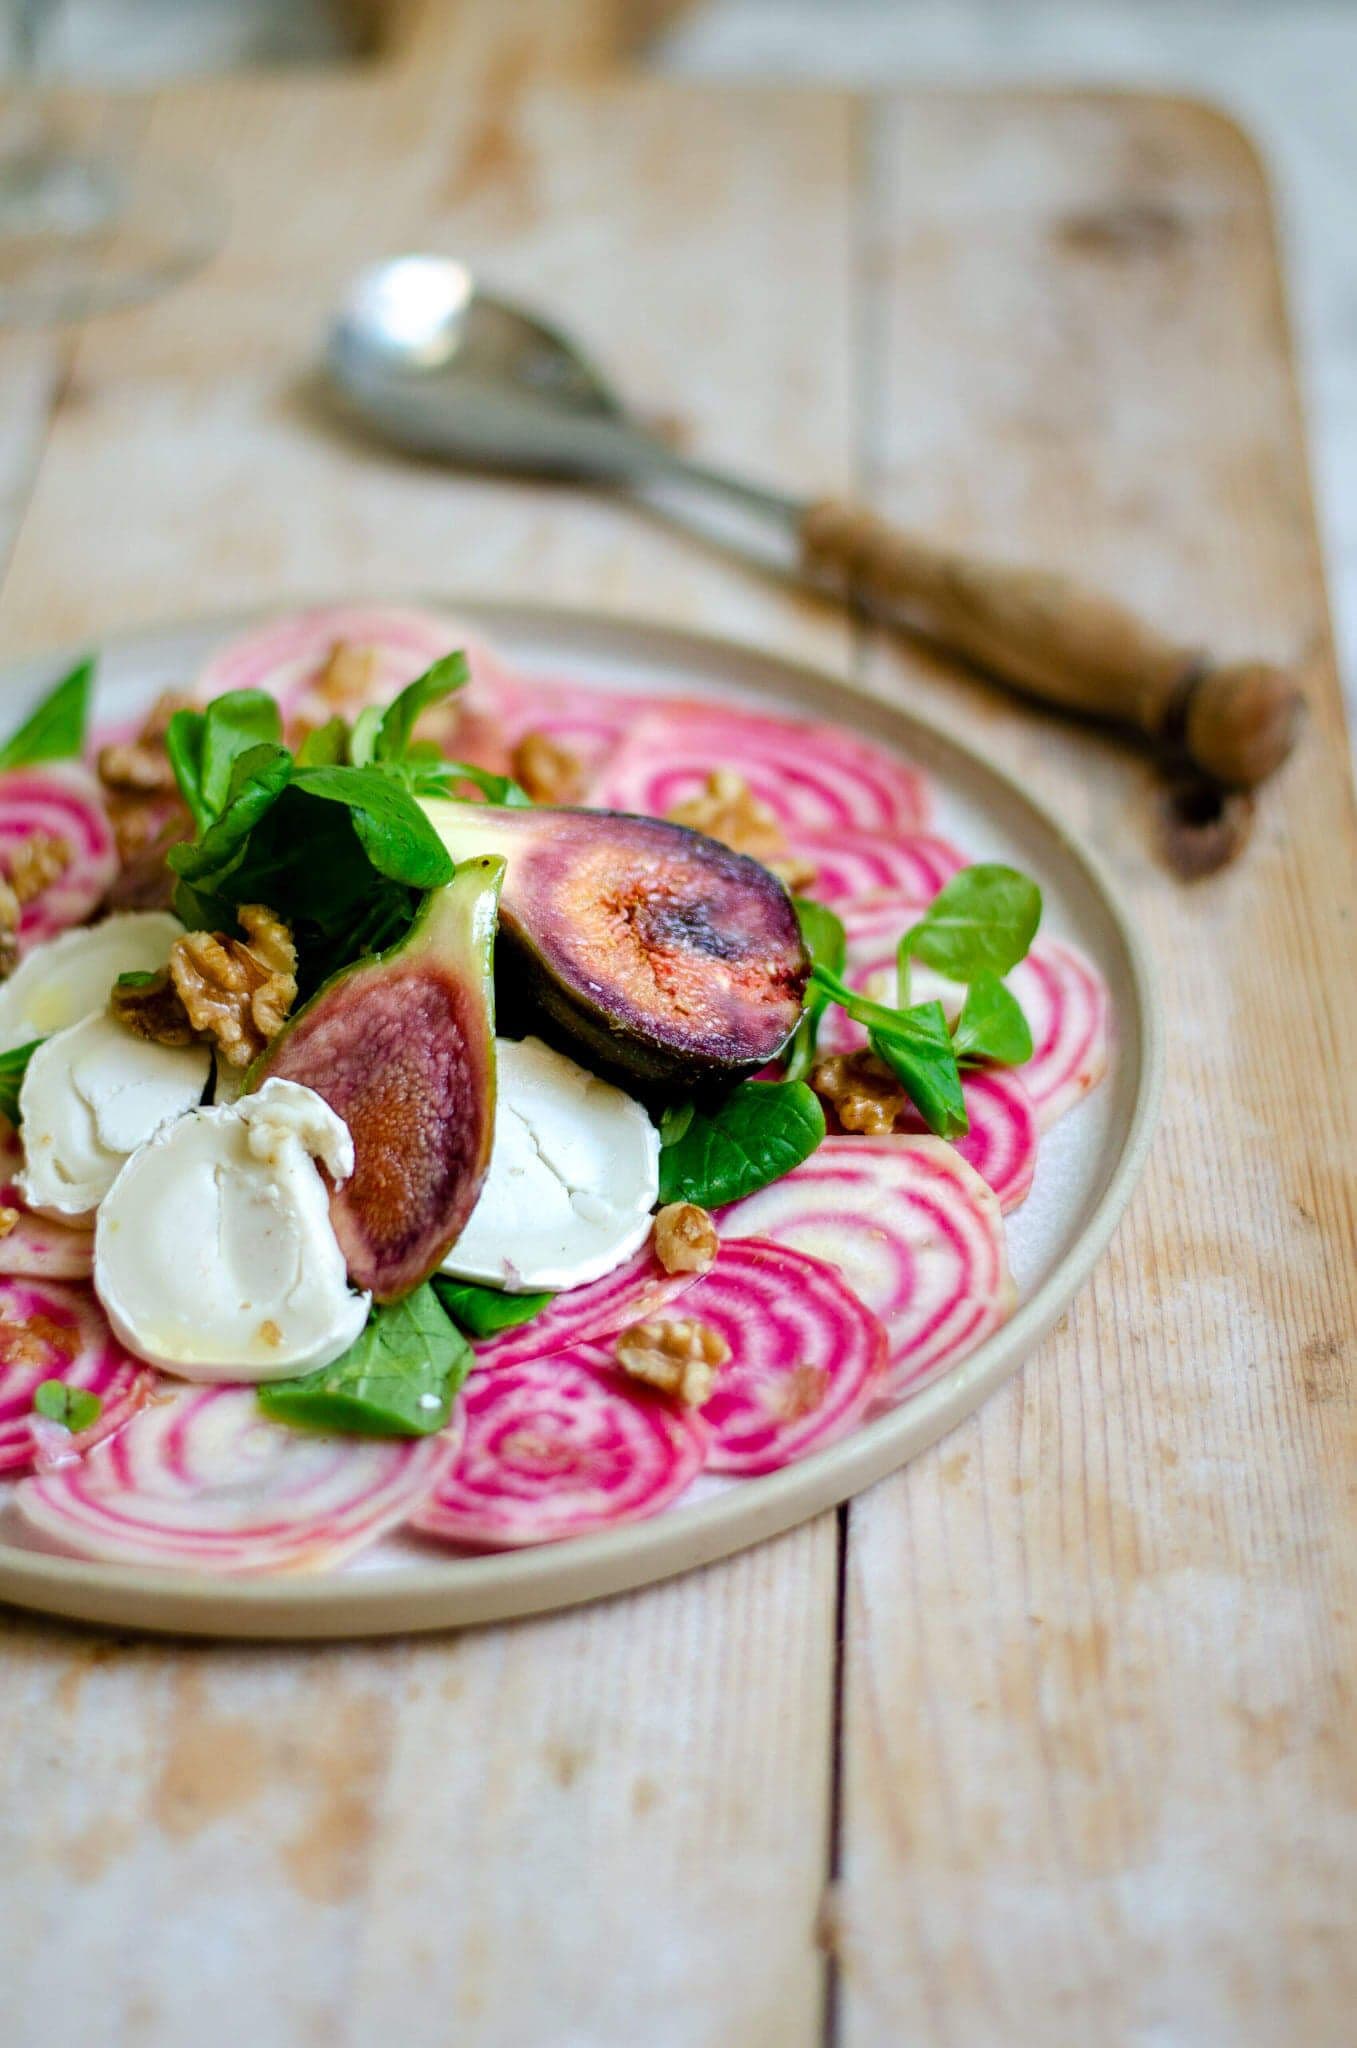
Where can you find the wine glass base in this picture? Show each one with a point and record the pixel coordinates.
(79, 235)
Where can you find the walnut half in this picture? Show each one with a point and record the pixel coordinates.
(679, 1355)
(237, 992)
(685, 1238)
(863, 1092)
(549, 772)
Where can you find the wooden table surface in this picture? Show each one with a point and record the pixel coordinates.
(1049, 1738)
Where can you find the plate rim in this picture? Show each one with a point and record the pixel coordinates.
(459, 1592)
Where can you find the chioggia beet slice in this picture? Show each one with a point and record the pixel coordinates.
(36, 1247)
(913, 1230)
(52, 1332)
(658, 952)
(202, 1480)
(402, 1047)
(853, 865)
(558, 1447)
(635, 1291)
(806, 1355)
(1066, 1004)
(813, 778)
(59, 803)
(1001, 1143)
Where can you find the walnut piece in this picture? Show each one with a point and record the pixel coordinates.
(8, 1219)
(727, 809)
(864, 1094)
(349, 675)
(549, 772)
(237, 992)
(35, 863)
(143, 801)
(678, 1355)
(31, 1343)
(153, 1009)
(685, 1238)
(9, 929)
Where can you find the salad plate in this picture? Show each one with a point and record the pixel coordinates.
(599, 674)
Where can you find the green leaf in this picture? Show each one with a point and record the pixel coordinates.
(992, 1025)
(326, 745)
(394, 832)
(258, 779)
(399, 719)
(363, 739)
(918, 1051)
(983, 920)
(138, 977)
(233, 724)
(400, 1378)
(675, 1120)
(73, 1407)
(437, 777)
(184, 746)
(55, 731)
(13, 1067)
(756, 1135)
(485, 1311)
(822, 931)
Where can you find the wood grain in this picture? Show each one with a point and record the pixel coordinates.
(1096, 1774)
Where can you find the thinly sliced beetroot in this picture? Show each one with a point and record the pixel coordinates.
(813, 778)
(557, 1447)
(585, 1315)
(289, 656)
(202, 1480)
(51, 1332)
(36, 1247)
(1066, 1004)
(852, 865)
(914, 1231)
(805, 1354)
(1001, 1143)
(590, 724)
(62, 801)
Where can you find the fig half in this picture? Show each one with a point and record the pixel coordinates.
(402, 1046)
(660, 953)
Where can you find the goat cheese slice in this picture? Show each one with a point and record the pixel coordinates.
(91, 1095)
(214, 1254)
(69, 977)
(574, 1175)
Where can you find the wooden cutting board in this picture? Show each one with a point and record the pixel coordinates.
(1049, 1738)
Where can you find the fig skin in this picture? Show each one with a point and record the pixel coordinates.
(402, 1046)
(661, 954)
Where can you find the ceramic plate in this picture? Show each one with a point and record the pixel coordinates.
(1087, 1168)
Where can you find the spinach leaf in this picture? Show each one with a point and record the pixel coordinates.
(325, 746)
(232, 725)
(13, 1067)
(55, 730)
(991, 1025)
(258, 778)
(184, 746)
(400, 1378)
(822, 931)
(74, 1407)
(437, 777)
(395, 834)
(396, 729)
(756, 1135)
(918, 1050)
(485, 1311)
(984, 919)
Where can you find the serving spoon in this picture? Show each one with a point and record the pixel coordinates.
(436, 364)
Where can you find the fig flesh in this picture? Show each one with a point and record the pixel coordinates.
(658, 952)
(402, 1046)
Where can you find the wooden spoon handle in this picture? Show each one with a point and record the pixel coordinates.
(1062, 642)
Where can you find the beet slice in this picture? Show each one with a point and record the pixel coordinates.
(806, 1355)
(402, 1047)
(852, 865)
(203, 1480)
(914, 1231)
(37, 1247)
(1001, 1143)
(1066, 1003)
(813, 778)
(62, 801)
(630, 1294)
(558, 1447)
(52, 1332)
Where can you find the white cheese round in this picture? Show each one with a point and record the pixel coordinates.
(91, 1095)
(574, 1175)
(214, 1255)
(69, 977)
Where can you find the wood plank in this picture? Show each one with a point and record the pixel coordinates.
(1098, 1776)
(611, 1819)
